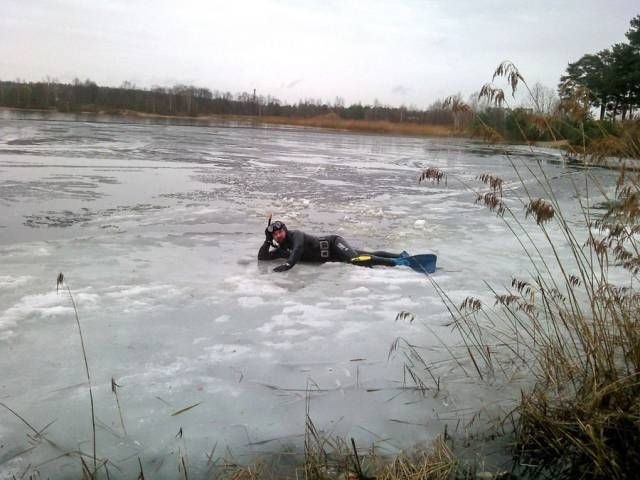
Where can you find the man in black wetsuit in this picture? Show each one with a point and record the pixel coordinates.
(295, 245)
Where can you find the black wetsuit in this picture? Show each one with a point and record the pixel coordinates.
(330, 248)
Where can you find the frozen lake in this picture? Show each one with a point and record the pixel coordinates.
(156, 229)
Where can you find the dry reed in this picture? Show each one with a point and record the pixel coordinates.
(60, 283)
(569, 325)
(333, 121)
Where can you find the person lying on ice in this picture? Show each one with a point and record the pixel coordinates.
(295, 245)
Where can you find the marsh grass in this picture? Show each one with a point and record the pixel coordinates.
(61, 284)
(329, 457)
(333, 121)
(114, 390)
(574, 324)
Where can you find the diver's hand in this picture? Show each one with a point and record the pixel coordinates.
(268, 238)
(283, 268)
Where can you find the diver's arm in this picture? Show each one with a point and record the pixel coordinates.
(297, 242)
(283, 267)
(264, 253)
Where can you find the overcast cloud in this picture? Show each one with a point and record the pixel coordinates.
(399, 52)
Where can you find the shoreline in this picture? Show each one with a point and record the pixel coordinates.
(329, 121)
(332, 122)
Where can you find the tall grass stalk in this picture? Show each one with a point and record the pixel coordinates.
(60, 283)
(114, 390)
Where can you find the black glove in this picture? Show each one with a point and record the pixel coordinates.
(282, 268)
(268, 238)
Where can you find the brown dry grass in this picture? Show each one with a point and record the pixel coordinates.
(333, 121)
(438, 464)
(328, 121)
(574, 327)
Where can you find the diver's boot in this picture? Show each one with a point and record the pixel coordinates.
(371, 260)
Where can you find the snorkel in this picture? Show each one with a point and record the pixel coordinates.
(268, 225)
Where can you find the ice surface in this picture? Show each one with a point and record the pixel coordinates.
(156, 229)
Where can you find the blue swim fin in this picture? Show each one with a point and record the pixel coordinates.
(425, 263)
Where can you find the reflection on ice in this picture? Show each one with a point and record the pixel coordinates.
(158, 231)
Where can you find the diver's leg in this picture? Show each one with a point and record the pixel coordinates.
(367, 260)
(341, 251)
(380, 253)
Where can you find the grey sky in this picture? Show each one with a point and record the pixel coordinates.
(409, 51)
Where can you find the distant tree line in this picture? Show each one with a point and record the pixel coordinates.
(610, 78)
(186, 100)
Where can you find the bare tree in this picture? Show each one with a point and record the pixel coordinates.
(543, 99)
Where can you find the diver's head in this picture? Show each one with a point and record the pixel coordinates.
(278, 231)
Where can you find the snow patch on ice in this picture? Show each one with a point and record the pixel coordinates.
(27, 250)
(226, 352)
(40, 305)
(292, 332)
(250, 302)
(301, 316)
(86, 299)
(134, 291)
(205, 211)
(222, 319)
(358, 291)
(278, 345)
(7, 281)
(244, 283)
(262, 164)
(333, 182)
(402, 302)
(400, 277)
(351, 328)
(359, 307)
